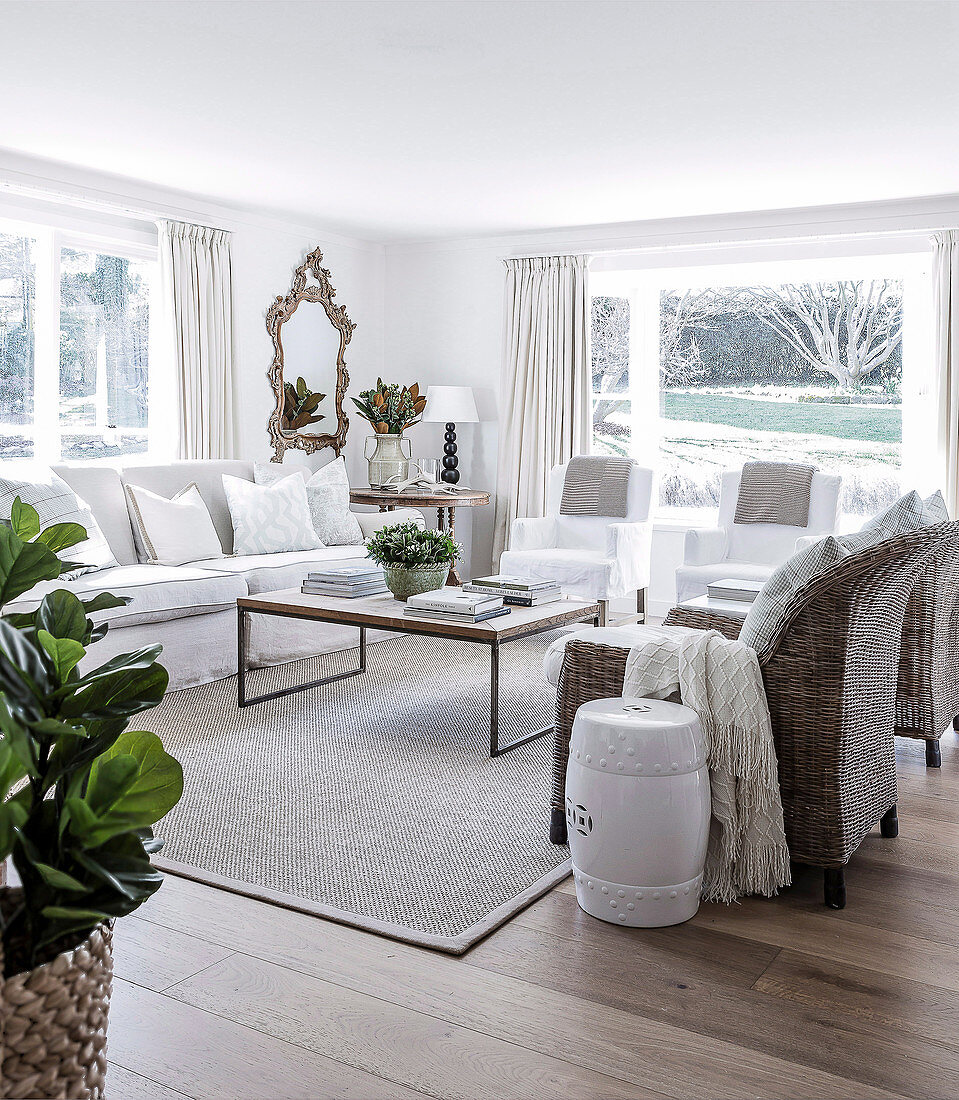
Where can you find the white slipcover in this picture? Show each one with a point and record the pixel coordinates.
(594, 557)
(751, 551)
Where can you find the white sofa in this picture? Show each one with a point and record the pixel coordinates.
(751, 551)
(191, 609)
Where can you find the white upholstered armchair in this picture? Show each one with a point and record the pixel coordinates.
(598, 558)
(751, 551)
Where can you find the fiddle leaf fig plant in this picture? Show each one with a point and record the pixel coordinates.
(79, 792)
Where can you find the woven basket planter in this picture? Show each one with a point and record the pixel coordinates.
(53, 1024)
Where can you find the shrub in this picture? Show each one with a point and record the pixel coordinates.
(408, 544)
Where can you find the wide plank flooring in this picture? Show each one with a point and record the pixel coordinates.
(220, 996)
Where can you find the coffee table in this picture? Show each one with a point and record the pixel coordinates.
(383, 612)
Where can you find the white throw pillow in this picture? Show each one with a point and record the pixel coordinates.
(328, 492)
(174, 531)
(56, 502)
(269, 473)
(269, 519)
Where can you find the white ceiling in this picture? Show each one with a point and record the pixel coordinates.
(418, 120)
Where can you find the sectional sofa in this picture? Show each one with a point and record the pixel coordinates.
(191, 609)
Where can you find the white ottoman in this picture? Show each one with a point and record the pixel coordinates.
(637, 806)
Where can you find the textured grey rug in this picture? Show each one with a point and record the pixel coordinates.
(372, 801)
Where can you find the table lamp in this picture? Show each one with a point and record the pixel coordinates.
(450, 405)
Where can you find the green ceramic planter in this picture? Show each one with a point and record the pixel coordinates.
(408, 580)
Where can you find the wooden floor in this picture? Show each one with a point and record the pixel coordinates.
(218, 996)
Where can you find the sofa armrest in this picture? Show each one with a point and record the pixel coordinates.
(533, 534)
(629, 545)
(705, 545)
(371, 522)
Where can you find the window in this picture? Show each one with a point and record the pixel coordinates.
(75, 378)
(697, 370)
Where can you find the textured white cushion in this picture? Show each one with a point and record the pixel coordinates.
(328, 492)
(101, 490)
(56, 502)
(173, 531)
(274, 572)
(269, 473)
(269, 519)
(158, 592)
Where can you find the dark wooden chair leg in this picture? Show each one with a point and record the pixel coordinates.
(834, 887)
(889, 822)
(933, 755)
(557, 826)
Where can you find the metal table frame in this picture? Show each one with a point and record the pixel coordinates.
(494, 643)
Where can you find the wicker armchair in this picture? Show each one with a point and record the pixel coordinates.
(831, 687)
(927, 692)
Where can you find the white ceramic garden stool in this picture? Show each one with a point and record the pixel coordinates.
(637, 806)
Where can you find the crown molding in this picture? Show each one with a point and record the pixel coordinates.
(53, 181)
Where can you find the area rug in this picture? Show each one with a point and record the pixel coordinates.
(372, 801)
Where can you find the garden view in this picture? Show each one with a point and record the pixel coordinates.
(805, 372)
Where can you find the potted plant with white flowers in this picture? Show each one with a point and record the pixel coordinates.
(79, 794)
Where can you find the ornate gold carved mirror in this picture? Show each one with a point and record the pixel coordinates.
(308, 376)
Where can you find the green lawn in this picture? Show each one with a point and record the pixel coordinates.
(873, 423)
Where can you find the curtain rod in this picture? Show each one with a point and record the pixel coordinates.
(700, 246)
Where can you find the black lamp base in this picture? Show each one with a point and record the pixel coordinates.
(450, 473)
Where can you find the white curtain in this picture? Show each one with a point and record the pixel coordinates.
(196, 271)
(545, 384)
(946, 303)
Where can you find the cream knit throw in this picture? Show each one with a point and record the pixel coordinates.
(721, 681)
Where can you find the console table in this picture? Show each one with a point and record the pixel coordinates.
(444, 503)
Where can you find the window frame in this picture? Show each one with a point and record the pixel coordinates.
(45, 427)
(642, 286)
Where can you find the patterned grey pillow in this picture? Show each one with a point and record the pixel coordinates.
(762, 623)
(56, 502)
(328, 492)
(269, 473)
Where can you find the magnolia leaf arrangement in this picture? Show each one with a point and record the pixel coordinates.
(391, 409)
(299, 405)
(409, 545)
(79, 792)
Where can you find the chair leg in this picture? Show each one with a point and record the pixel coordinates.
(834, 887)
(955, 722)
(641, 597)
(603, 612)
(557, 826)
(933, 755)
(889, 822)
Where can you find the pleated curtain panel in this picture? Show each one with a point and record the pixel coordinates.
(196, 272)
(545, 385)
(946, 305)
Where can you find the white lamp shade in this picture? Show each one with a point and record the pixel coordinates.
(450, 404)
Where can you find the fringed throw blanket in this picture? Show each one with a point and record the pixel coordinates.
(774, 492)
(595, 486)
(721, 681)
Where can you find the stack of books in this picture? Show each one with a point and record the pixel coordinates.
(516, 590)
(351, 581)
(454, 605)
(730, 589)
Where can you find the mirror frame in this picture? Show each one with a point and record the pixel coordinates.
(282, 309)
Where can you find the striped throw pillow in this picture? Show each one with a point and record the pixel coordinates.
(56, 502)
